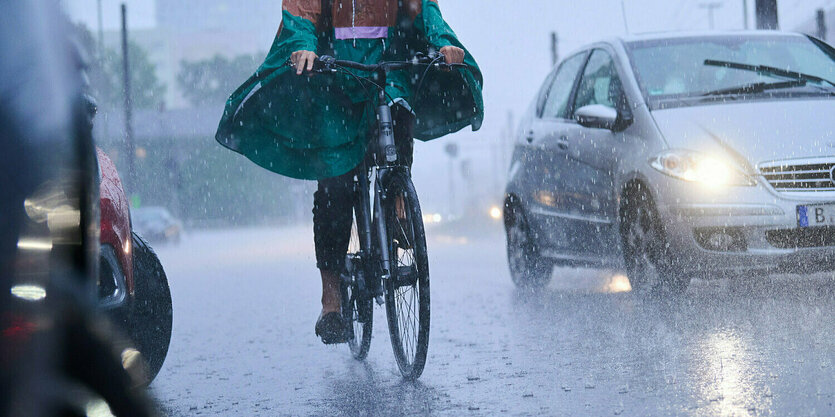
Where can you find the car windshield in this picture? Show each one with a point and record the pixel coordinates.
(672, 70)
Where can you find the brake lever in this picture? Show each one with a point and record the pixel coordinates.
(436, 56)
(430, 58)
(438, 60)
(324, 64)
(448, 67)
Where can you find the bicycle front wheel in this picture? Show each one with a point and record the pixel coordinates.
(407, 292)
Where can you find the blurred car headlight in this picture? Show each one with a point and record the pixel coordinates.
(707, 170)
(496, 213)
(432, 218)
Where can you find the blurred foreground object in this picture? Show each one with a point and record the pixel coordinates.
(56, 356)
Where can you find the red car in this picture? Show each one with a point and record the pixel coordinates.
(116, 266)
(132, 285)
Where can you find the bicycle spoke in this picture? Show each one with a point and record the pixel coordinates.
(407, 298)
(408, 327)
(407, 306)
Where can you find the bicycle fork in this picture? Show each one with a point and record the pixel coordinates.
(382, 232)
(374, 260)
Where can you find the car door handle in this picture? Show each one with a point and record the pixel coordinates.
(562, 143)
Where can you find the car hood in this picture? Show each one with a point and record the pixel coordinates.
(753, 132)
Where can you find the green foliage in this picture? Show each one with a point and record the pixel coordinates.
(211, 81)
(106, 74)
(147, 92)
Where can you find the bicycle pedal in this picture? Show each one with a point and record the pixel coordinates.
(379, 300)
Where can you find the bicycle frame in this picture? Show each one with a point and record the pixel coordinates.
(370, 272)
(371, 224)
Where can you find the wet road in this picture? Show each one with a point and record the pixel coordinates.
(245, 303)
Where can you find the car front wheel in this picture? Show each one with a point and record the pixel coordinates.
(528, 269)
(648, 263)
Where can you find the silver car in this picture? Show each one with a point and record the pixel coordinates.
(678, 156)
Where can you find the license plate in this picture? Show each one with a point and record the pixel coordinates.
(816, 215)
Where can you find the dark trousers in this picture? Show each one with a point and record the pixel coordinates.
(333, 201)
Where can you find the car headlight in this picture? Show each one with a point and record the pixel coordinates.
(707, 170)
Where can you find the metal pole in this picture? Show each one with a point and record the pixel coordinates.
(451, 187)
(101, 34)
(623, 14)
(508, 139)
(710, 8)
(767, 15)
(710, 17)
(131, 148)
(821, 18)
(555, 52)
(451, 150)
(497, 166)
(745, 13)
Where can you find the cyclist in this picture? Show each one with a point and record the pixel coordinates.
(317, 127)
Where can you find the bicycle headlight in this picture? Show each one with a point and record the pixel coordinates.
(707, 170)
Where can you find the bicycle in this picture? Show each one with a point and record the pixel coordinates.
(387, 260)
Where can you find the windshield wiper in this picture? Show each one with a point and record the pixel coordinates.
(756, 88)
(767, 70)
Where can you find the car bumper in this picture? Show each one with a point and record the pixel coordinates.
(741, 230)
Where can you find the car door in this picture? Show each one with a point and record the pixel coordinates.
(548, 165)
(595, 154)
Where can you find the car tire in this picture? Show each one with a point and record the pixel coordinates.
(528, 269)
(648, 262)
(152, 313)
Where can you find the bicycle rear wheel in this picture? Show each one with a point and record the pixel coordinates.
(407, 292)
(358, 310)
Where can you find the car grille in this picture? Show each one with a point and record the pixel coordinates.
(812, 237)
(799, 175)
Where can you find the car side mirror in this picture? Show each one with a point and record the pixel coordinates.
(601, 117)
(596, 116)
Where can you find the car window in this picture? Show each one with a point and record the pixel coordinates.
(556, 101)
(543, 92)
(600, 83)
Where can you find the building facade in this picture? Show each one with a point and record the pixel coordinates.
(193, 30)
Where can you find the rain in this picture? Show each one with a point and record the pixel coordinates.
(623, 208)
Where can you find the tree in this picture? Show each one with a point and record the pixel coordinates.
(210, 81)
(106, 75)
(147, 92)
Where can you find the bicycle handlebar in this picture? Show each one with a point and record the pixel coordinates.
(325, 64)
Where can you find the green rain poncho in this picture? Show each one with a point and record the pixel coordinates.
(318, 127)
